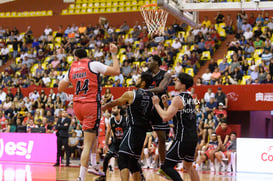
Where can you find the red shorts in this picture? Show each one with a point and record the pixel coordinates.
(207, 153)
(88, 114)
(101, 141)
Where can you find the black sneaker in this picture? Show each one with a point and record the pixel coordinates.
(110, 168)
(101, 178)
(143, 178)
(56, 165)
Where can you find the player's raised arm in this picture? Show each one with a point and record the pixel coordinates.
(127, 97)
(163, 84)
(166, 115)
(115, 69)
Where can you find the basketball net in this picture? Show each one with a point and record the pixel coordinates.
(155, 19)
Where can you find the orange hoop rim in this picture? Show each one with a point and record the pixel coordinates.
(149, 5)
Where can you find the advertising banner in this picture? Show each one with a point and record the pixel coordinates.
(28, 147)
(255, 155)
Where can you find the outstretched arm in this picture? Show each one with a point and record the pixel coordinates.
(163, 84)
(127, 97)
(166, 115)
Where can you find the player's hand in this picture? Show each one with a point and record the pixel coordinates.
(164, 99)
(105, 149)
(113, 48)
(155, 100)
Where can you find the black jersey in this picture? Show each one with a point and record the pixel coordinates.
(156, 81)
(185, 120)
(139, 111)
(118, 127)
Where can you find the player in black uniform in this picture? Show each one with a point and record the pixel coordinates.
(183, 147)
(139, 109)
(160, 84)
(117, 126)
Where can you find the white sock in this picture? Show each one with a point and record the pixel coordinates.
(82, 172)
(93, 159)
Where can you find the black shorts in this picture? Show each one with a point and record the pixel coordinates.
(113, 148)
(158, 123)
(181, 150)
(132, 142)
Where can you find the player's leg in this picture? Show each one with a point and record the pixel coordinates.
(161, 145)
(168, 168)
(107, 157)
(123, 164)
(191, 171)
(89, 141)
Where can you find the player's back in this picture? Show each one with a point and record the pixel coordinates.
(139, 111)
(185, 120)
(86, 83)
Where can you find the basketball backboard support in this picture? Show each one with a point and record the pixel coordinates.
(175, 8)
(187, 10)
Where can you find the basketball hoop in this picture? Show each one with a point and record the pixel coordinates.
(155, 18)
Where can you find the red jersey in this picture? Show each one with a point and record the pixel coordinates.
(3, 122)
(87, 87)
(102, 127)
(219, 131)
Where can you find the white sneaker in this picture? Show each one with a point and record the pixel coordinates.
(95, 170)
(229, 168)
(145, 166)
(212, 168)
(180, 166)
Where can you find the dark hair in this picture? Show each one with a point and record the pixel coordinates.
(233, 133)
(122, 111)
(157, 59)
(147, 77)
(80, 53)
(186, 79)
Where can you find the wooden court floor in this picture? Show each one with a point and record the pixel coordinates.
(46, 172)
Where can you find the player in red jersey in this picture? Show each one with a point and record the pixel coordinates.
(85, 78)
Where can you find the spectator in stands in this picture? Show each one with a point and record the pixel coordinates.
(3, 95)
(63, 96)
(258, 32)
(219, 18)
(211, 105)
(229, 24)
(2, 121)
(210, 45)
(31, 125)
(248, 34)
(254, 74)
(266, 56)
(124, 28)
(262, 74)
(259, 19)
(215, 76)
(208, 95)
(47, 30)
(206, 22)
(220, 96)
(4, 54)
(270, 24)
(223, 131)
(223, 66)
(212, 65)
(10, 94)
(220, 113)
(249, 50)
(28, 35)
(209, 125)
(246, 26)
(236, 76)
(268, 79)
(190, 38)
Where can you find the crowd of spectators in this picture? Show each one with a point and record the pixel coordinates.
(43, 61)
(249, 58)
